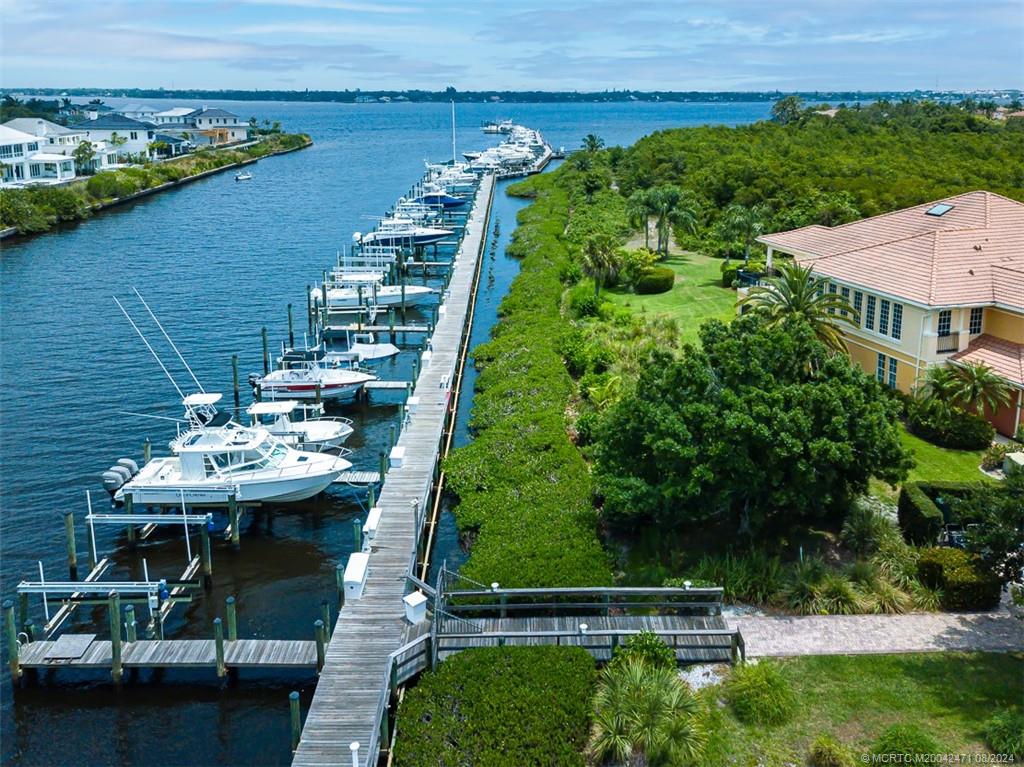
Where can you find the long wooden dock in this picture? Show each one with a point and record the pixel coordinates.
(170, 653)
(354, 681)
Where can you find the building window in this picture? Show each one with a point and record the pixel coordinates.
(7, 150)
(846, 297)
(869, 318)
(880, 369)
(19, 150)
(897, 321)
(977, 313)
(883, 318)
(35, 170)
(892, 373)
(945, 321)
(832, 289)
(858, 303)
(33, 146)
(134, 135)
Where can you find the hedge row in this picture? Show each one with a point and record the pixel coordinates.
(920, 518)
(499, 706)
(955, 573)
(524, 490)
(38, 208)
(659, 279)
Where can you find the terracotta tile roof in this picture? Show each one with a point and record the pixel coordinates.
(1004, 357)
(971, 254)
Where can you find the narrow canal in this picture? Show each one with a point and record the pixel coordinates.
(217, 261)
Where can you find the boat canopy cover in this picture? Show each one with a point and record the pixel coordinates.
(202, 398)
(274, 407)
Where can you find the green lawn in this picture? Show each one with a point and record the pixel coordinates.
(855, 698)
(934, 464)
(697, 296)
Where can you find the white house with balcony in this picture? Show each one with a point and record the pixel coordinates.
(172, 116)
(53, 138)
(935, 282)
(219, 125)
(25, 162)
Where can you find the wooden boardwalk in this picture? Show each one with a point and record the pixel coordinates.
(175, 653)
(696, 639)
(348, 695)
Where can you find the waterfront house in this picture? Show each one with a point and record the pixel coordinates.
(115, 128)
(24, 162)
(172, 116)
(218, 125)
(54, 138)
(935, 282)
(139, 112)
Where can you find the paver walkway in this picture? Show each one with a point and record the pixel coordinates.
(864, 634)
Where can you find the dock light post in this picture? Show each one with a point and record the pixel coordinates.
(354, 748)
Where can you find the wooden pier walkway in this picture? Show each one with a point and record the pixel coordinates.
(354, 680)
(167, 653)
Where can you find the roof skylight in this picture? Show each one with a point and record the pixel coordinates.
(938, 210)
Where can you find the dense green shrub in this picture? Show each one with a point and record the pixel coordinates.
(17, 210)
(524, 491)
(730, 271)
(61, 203)
(868, 521)
(659, 279)
(994, 456)
(949, 426)
(955, 572)
(920, 519)
(1004, 733)
(492, 707)
(109, 184)
(758, 693)
(905, 739)
(583, 302)
(827, 751)
(752, 577)
(649, 648)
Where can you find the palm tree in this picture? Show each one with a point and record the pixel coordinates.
(592, 142)
(645, 715)
(798, 293)
(672, 208)
(976, 386)
(600, 259)
(638, 210)
(746, 223)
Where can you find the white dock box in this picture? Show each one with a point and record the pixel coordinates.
(415, 607)
(372, 522)
(397, 456)
(425, 358)
(412, 403)
(355, 574)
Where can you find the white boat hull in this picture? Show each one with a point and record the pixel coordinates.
(388, 295)
(270, 490)
(286, 390)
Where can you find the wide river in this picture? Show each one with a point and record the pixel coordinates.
(217, 260)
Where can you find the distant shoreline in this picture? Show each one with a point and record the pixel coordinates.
(497, 97)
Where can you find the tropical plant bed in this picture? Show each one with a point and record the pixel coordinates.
(855, 699)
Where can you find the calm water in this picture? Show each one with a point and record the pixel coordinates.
(216, 260)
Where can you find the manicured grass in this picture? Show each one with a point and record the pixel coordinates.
(939, 463)
(697, 296)
(855, 698)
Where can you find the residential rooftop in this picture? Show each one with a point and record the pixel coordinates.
(963, 250)
(37, 126)
(114, 121)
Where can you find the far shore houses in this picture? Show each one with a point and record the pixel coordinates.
(39, 151)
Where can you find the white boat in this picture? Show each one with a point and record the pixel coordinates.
(243, 176)
(216, 458)
(287, 420)
(303, 380)
(403, 231)
(373, 295)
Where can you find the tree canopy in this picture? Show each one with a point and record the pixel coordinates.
(744, 430)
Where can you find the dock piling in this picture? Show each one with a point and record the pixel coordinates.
(371, 496)
(383, 460)
(296, 715)
(232, 619)
(357, 534)
(291, 328)
(130, 626)
(129, 508)
(114, 605)
(69, 531)
(30, 630)
(309, 310)
(325, 611)
(206, 555)
(319, 631)
(339, 582)
(218, 640)
(236, 538)
(147, 451)
(266, 351)
(11, 631)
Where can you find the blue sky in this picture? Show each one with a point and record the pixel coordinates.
(514, 44)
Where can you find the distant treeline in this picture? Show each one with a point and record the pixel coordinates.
(449, 94)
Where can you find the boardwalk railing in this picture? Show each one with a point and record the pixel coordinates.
(403, 665)
(583, 601)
